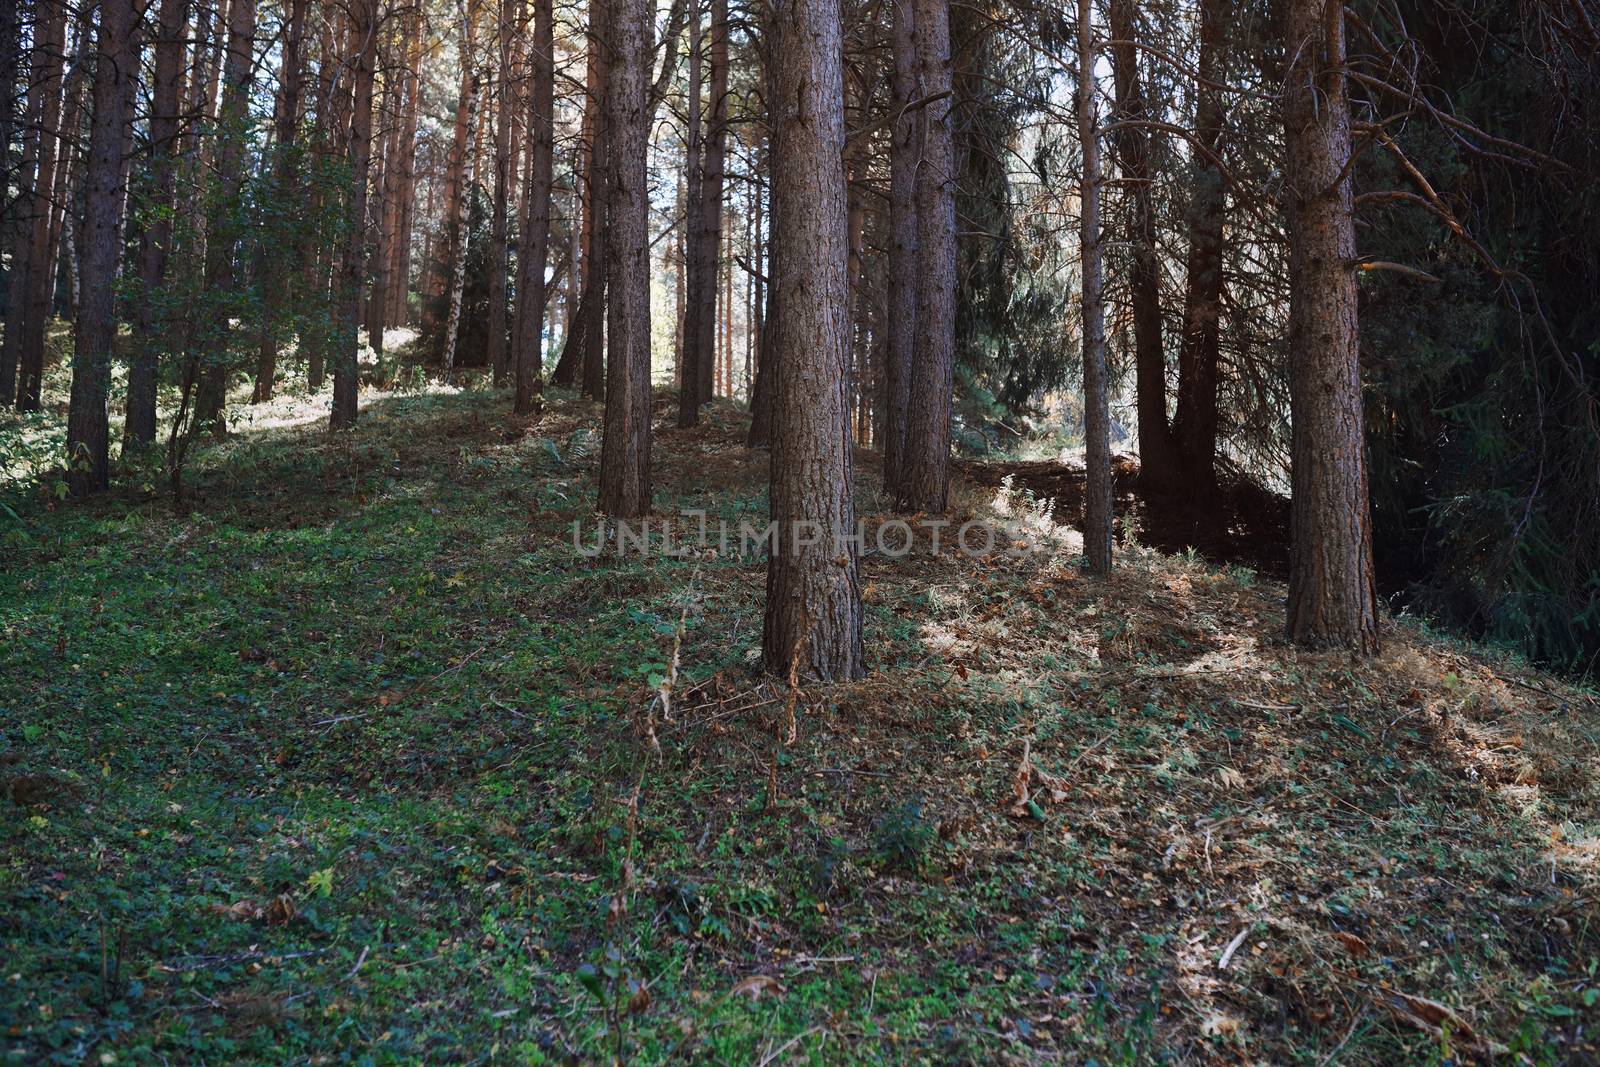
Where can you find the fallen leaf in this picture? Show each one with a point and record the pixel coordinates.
(1353, 944)
(755, 985)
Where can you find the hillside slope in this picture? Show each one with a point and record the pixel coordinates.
(359, 759)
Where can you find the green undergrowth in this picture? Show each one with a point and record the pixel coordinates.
(352, 761)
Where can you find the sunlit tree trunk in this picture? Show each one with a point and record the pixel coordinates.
(88, 432)
(1332, 600)
(625, 452)
(812, 624)
(399, 273)
(925, 471)
(1097, 504)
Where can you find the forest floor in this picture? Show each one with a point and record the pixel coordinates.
(350, 762)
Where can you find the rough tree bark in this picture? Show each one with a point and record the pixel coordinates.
(1332, 600)
(1097, 504)
(534, 239)
(1157, 462)
(812, 624)
(925, 470)
(903, 267)
(625, 451)
(346, 371)
(1194, 425)
(88, 433)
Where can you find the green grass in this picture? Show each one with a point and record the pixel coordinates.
(341, 766)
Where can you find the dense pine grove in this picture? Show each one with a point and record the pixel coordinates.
(488, 495)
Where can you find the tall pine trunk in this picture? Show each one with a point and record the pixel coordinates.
(346, 371)
(1157, 462)
(700, 324)
(586, 190)
(1097, 505)
(903, 266)
(276, 269)
(812, 625)
(88, 432)
(693, 220)
(625, 451)
(223, 228)
(19, 220)
(34, 285)
(925, 471)
(500, 216)
(592, 307)
(399, 273)
(1332, 601)
(534, 239)
(152, 331)
(1195, 422)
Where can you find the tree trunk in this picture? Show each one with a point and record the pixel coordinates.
(693, 220)
(276, 269)
(625, 452)
(460, 219)
(316, 319)
(1097, 503)
(925, 481)
(346, 370)
(43, 84)
(705, 233)
(534, 240)
(592, 309)
(88, 434)
(34, 289)
(1332, 601)
(10, 59)
(1195, 422)
(586, 188)
(399, 274)
(223, 230)
(1157, 462)
(812, 625)
(900, 329)
(760, 435)
(150, 331)
(500, 219)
